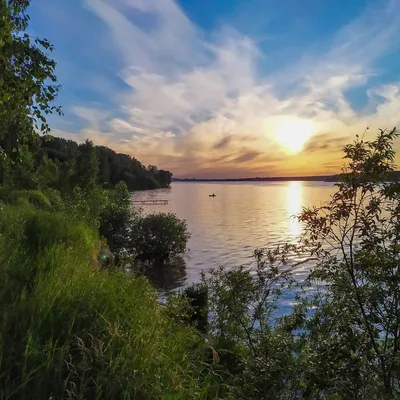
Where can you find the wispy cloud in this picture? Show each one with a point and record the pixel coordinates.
(193, 97)
(328, 142)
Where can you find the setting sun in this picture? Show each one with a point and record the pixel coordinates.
(293, 133)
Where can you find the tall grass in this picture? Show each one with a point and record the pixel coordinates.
(72, 331)
(46, 199)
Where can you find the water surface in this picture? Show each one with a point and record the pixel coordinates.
(227, 228)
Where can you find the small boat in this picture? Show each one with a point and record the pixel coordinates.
(212, 195)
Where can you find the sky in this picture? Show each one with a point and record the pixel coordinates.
(225, 88)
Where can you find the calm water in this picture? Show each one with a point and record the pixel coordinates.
(226, 229)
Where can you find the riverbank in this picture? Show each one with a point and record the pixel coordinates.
(72, 329)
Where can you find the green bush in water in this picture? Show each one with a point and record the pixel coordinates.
(157, 237)
(69, 330)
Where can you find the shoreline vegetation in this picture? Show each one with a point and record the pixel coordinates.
(113, 167)
(75, 326)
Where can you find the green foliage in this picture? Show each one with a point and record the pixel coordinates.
(112, 167)
(47, 173)
(157, 237)
(70, 331)
(86, 205)
(164, 178)
(54, 197)
(356, 238)
(115, 167)
(59, 149)
(65, 173)
(86, 167)
(190, 306)
(63, 164)
(116, 218)
(257, 352)
(43, 200)
(26, 172)
(197, 295)
(21, 172)
(28, 84)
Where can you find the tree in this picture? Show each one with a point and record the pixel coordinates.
(86, 167)
(47, 172)
(356, 237)
(21, 174)
(104, 168)
(343, 340)
(152, 169)
(28, 84)
(164, 178)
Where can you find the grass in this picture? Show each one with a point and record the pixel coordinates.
(72, 331)
(47, 199)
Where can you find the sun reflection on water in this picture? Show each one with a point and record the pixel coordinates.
(294, 202)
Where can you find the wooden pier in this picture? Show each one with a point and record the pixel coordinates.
(150, 202)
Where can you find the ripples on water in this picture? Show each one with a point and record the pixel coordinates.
(226, 229)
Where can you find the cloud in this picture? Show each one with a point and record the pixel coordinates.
(193, 100)
(326, 142)
(223, 143)
(247, 156)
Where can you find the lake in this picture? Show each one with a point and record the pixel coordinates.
(227, 228)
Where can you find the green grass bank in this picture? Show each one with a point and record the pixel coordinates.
(70, 330)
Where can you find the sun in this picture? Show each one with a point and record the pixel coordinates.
(293, 133)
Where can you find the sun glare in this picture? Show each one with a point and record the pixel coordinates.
(293, 133)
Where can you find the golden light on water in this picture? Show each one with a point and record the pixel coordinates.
(294, 199)
(293, 133)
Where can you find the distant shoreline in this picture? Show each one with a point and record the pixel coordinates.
(323, 178)
(395, 175)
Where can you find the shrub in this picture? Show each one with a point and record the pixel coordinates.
(190, 306)
(158, 237)
(197, 295)
(257, 352)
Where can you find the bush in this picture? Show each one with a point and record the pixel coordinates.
(257, 352)
(190, 306)
(69, 330)
(197, 296)
(157, 237)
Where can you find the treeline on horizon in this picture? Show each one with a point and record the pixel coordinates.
(68, 163)
(392, 176)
